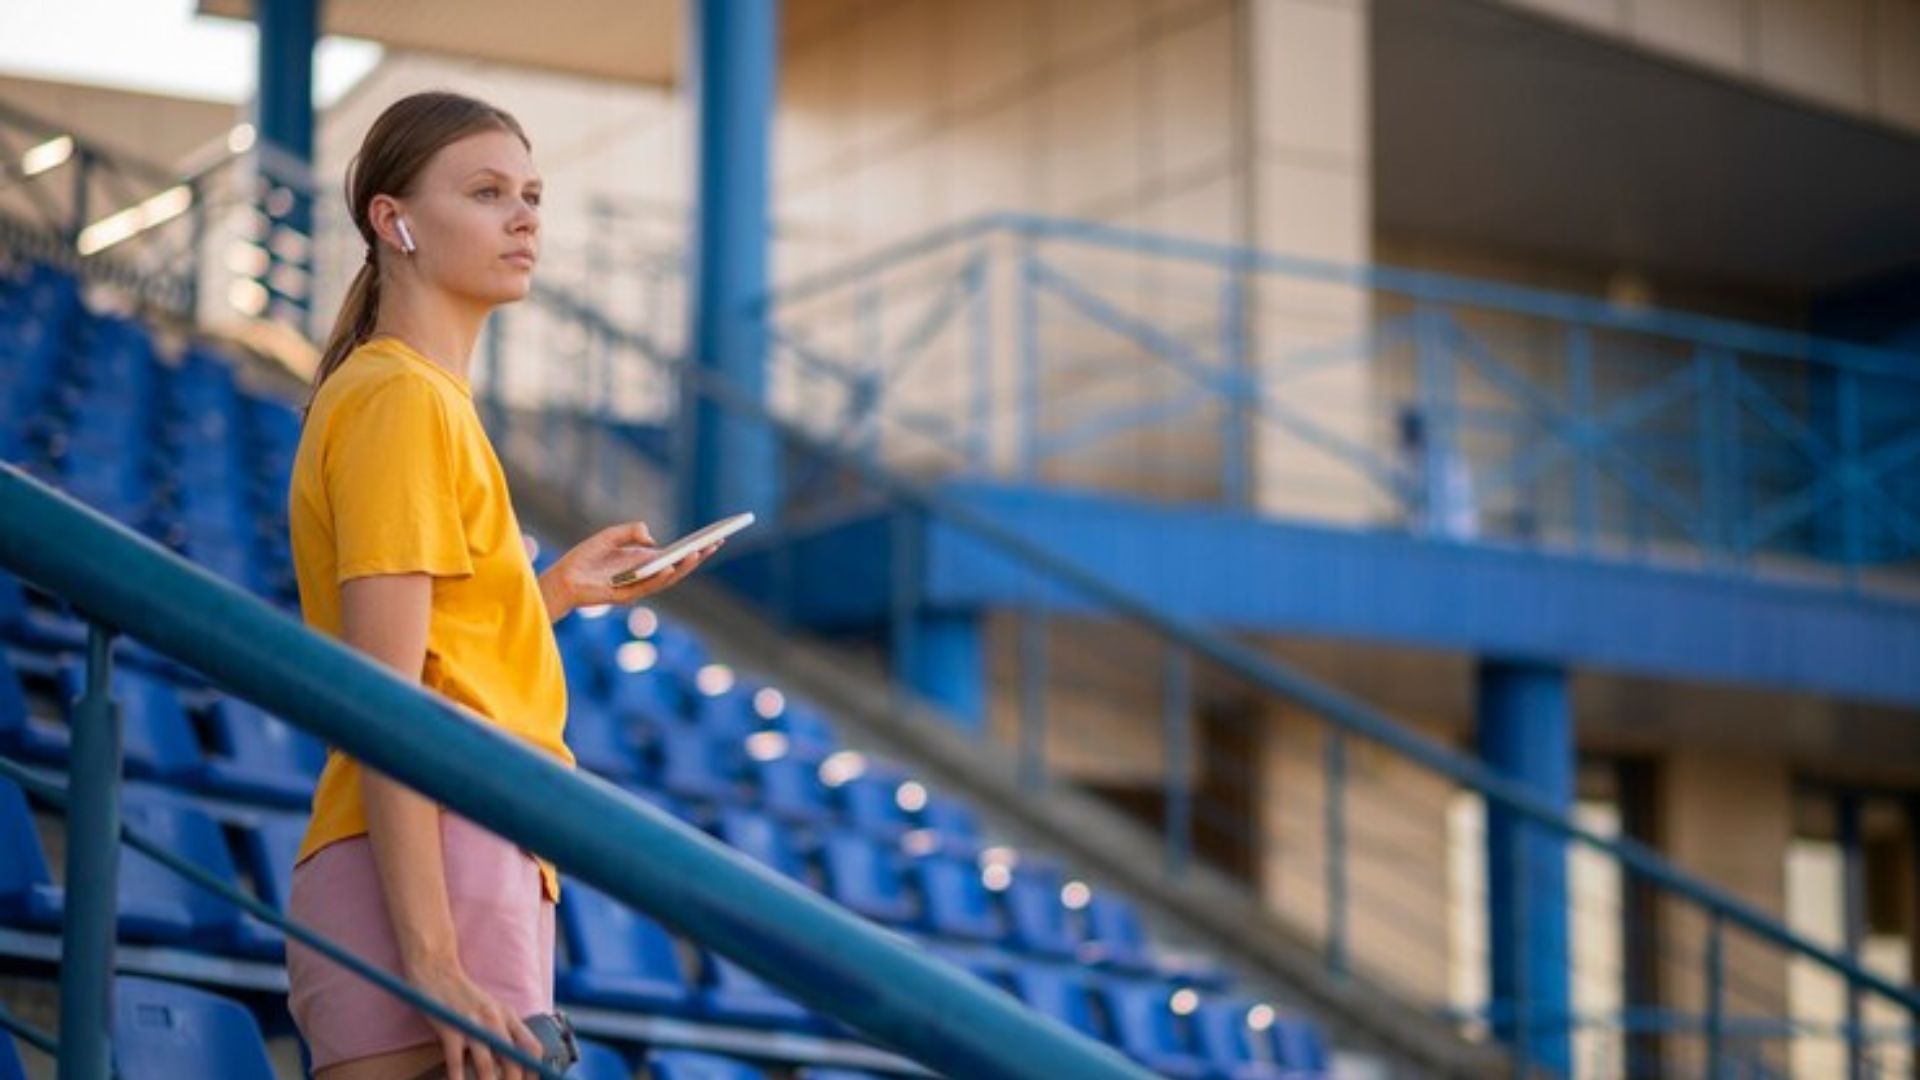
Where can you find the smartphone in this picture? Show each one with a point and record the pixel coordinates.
(683, 547)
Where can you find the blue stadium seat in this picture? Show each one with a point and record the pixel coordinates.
(1145, 1028)
(1113, 937)
(157, 738)
(268, 850)
(698, 1065)
(871, 803)
(731, 994)
(1057, 991)
(163, 1031)
(597, 741)
(762, 838)
(693, 766)
(598, 1061)
(256, 755)
(807, 730)
(617, 957)
(790, 789)
(865, 877)
(953, 823)
(956, 901)
(156, 904)
(1299, 1047)
(33, 625)
(28, 896)
(836, 1074)
(652, 700)
(1036, 919)
(20, 731)
(681, 651)
(1226, 1042)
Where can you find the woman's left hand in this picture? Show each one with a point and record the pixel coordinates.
(583, 576)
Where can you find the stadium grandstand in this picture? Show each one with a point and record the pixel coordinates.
(1296, 539)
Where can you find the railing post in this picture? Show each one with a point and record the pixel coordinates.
(1435, 380)
(1029, 406)
(196, 243)
(1580, 400)
(1033, 703)
(1176, 708)
(82, 185)
(1243, 387)
(87, 923)
(1521, 1031)
(903, 612)
(1853, 921)
(1715, 1007)
(495, 398)
(870, 379)
(980, 444)
(1852, 527)
(1336, 850)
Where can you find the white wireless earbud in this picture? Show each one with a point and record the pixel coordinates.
(406, 238)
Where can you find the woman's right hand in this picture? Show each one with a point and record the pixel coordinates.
(448, 983)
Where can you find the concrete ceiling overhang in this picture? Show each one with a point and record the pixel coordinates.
(1498, 128)
(632, 41)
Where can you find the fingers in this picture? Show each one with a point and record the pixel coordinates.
(454, 1049)
(525, 1039)
(636, 532)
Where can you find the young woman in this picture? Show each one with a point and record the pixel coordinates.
(406, 547)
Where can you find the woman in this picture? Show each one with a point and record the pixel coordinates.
(406, 547)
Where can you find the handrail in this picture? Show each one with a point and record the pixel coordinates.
(1340, 709)
(821, 954)
(1420, 284)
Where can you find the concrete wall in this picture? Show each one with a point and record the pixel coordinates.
(1860, 57)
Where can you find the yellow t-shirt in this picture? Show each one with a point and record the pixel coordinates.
(394, 475)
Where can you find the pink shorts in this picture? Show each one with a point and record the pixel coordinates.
(501, 916)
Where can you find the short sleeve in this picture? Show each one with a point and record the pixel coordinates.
(392, 482)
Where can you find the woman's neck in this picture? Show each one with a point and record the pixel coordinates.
(436, 325)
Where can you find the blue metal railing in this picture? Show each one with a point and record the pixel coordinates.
(1036, 348)
(817, 952)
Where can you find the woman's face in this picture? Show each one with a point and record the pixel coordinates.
(475, 218)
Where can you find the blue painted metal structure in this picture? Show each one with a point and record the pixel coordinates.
(1544, 419)
(731, 72)
(816, 951)
(1525, 731)
(1249, 573)
(289, 31)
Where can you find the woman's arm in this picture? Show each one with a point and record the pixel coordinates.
(386, 617)
(581, 576)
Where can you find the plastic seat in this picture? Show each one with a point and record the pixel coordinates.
(598, 1061)
(1059, 992)
(28, 896)
(651, 700)
(28, 623)
(871, 804)
(956, 901)
(806, 729)
(617, 957)
(1113, 937)
(836, 1074)
(256, 755)
(11, 1067)
(269, 849)
(680, 650)
(156, 904)
(730, 993)
(597, 742)
(698, 1065)
(1299, 1047)
(1225, 1042)
(865, 877)
(162, 1031)
(692, 766)
(790, 789)
(1145, 1029)
(953, 823)
(763, 839)
(157, 738)
(1036, 919)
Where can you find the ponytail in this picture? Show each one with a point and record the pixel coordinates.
(359, 312)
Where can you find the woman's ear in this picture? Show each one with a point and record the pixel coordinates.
(383, 213)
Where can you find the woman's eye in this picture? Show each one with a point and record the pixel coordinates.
(533, 200)
(488, 191)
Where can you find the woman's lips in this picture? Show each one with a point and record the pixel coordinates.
(520, 258)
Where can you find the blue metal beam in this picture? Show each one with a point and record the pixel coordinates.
(727, 462)
(1526, 732)
(289, 32)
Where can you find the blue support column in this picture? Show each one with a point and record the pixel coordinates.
(289, 31)
(727, 462)
(949, 665)
(1526, 732)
